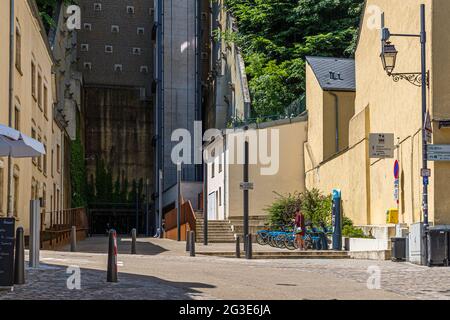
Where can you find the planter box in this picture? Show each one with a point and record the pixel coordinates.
(360, 245)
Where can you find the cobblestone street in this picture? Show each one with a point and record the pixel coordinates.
(162, 270)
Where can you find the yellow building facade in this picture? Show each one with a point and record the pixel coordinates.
(33, 114)
(382, 105)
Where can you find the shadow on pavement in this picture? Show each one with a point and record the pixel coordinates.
(50, 283)
(99, 244)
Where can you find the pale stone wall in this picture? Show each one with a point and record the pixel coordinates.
(289, 179)
(385, 106)
(32, 180)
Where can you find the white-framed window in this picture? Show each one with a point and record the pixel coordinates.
(118, 68)
(109, 49)
(130, 9)
(84, 47)
(115, 29)
(87, 65)
(144, 69)
(137, 51)
(87, 26)
(97, 6)
(140, 31)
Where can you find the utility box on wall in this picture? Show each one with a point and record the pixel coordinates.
(416, 244)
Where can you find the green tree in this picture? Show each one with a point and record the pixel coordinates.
(316, 207)
(276, 35)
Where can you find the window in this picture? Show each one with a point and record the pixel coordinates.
(33, 80)
(109, 49)
(84, 47)
(44, 196)
(17, 118)
(88, 27)
(40, 157)
(144, 69)
(220, 196)
(44, 160)
(140, 31)
(33, 135)
(58, 158)
(39, 91)
(115, 29)
(118, 68)
(52, 166)
(97, 7)
(16, 191)
(130, 9)
(45, 101)
(137, 51)
(33, 189)
(87, 65)
(220, 165)
(213, 163)
(18, 51)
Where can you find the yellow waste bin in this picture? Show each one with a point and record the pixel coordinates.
(392, 216)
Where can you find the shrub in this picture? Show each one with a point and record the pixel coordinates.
(350, 231)
(282, 211)
(316, 207)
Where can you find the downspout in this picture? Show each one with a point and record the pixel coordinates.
(336, 107)
(10, 209)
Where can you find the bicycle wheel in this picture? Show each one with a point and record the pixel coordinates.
(280, 241)
(261, 238)
(291, 243)
(309, 245)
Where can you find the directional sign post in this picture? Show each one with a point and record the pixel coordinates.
(436, 152)
(381, 145)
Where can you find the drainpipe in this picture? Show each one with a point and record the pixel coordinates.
(336, 107)
(10, 209)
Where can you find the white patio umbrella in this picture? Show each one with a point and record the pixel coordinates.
(18, 145)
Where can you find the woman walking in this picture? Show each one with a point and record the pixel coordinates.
(300, 229)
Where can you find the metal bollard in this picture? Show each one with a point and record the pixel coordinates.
(73, 239)
(249, 253)
(133, 241)
(19, 263)
(188, 235)
(192, 244)
(112, 257)
(238, 247)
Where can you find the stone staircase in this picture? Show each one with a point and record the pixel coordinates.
(218, 231)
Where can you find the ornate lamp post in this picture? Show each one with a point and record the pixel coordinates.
(419, 79)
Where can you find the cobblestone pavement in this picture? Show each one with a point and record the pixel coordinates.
(49, 282)
(163, 270)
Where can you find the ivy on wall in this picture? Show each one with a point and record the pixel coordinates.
(78, 173)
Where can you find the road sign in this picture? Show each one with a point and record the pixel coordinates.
(381, 145)
(247, 185)
(425, 173)
(396, 169)
(438, 152)
(428, 128)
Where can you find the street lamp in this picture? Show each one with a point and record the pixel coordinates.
(419, 79)
(388, 57)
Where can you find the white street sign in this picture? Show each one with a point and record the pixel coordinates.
(438, 152)
(381, 145)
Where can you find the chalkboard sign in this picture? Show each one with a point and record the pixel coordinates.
(7, 252)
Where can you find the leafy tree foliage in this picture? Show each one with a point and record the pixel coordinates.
(276, 35)
(47, 10)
